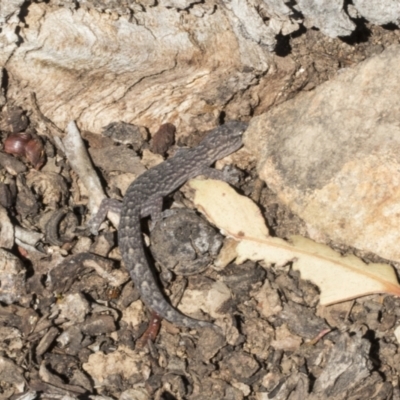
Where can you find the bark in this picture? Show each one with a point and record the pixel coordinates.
(178, 61)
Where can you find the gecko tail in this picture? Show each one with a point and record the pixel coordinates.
(154, 299)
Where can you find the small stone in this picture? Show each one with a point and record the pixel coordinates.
(241, 365)
(163, 139)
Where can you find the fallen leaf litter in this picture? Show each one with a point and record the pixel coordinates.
(85, 341)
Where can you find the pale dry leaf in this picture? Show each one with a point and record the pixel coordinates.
(339, 277)
(134, 314)
(123, 362)
(210, 300)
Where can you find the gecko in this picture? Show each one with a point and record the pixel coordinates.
(144, 198)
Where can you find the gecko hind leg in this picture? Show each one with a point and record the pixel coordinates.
(154, 210)
(106, 205)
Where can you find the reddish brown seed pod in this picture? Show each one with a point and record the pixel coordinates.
(34, 152)
(26, 145)
(16, 143)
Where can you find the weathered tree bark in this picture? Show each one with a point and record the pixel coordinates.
(185, 62)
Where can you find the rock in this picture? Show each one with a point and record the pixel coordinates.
(329, 16)
(379, 12)
(333, 156)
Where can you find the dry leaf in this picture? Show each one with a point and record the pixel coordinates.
(339, 277)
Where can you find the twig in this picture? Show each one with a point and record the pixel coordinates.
(53, 128)
(79, 159)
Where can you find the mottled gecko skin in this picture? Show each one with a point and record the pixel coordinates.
(144, 198)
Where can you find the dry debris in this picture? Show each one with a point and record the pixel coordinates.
(72, 325)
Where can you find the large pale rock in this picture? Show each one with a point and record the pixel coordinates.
(329, 16)
(333, 156)
(379, 12)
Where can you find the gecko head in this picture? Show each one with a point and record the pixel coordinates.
(224, 139)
